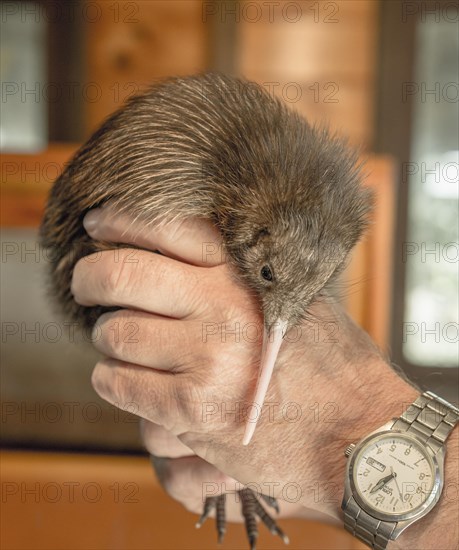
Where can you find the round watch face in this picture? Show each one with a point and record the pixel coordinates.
(393, 474)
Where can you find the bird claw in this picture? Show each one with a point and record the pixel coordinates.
(252, 511)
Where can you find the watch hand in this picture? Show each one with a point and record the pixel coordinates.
(396, 483)
(381, 483)
(377, 486)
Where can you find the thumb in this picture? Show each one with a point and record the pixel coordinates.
(193, 240)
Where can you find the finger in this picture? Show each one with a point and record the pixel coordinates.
(148, 393)
(161, 443)
(194, 240)
(164, 398)
(145, 339)
(190, 480)
(138, 279)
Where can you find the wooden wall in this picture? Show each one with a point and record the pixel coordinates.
(133, 44)
(96, 502)
(319, 56)
(324, 50)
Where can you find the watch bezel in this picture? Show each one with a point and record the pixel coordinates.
(425, 507)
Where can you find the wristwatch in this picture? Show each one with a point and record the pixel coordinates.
(394, 476)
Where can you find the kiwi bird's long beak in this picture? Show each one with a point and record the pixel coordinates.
(272, 341)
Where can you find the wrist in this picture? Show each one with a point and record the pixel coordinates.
(411, 449)
(365, 401)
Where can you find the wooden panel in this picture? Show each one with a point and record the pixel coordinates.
(369, 276)
(380, 248)
(130, 44)
(25, 182)
(331, 45)
(83, 502)
(346, 105)
(312, 44)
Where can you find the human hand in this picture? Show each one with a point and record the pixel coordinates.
(185, 476)
(189, 479)
(187, 372)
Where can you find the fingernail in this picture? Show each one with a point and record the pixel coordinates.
(91, 221)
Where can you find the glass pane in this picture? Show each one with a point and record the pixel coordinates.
(430, 336)
(23, 121)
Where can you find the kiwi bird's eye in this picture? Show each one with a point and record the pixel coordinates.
(266, 273)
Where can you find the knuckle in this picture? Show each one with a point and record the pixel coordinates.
(76, 286)
(103, 380)
(97, 381)
(121, 385)
(114, 340)
(189, 399)
(118, 278)
(106, 335)
(97, 331)
(114, 382)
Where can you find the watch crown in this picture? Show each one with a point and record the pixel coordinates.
(349, 449)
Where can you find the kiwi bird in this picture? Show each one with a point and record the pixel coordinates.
(286, 196)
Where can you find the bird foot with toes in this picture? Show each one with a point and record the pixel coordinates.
(252, 511)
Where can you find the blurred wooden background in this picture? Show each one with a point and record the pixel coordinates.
(321, 58)
(88, 502)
